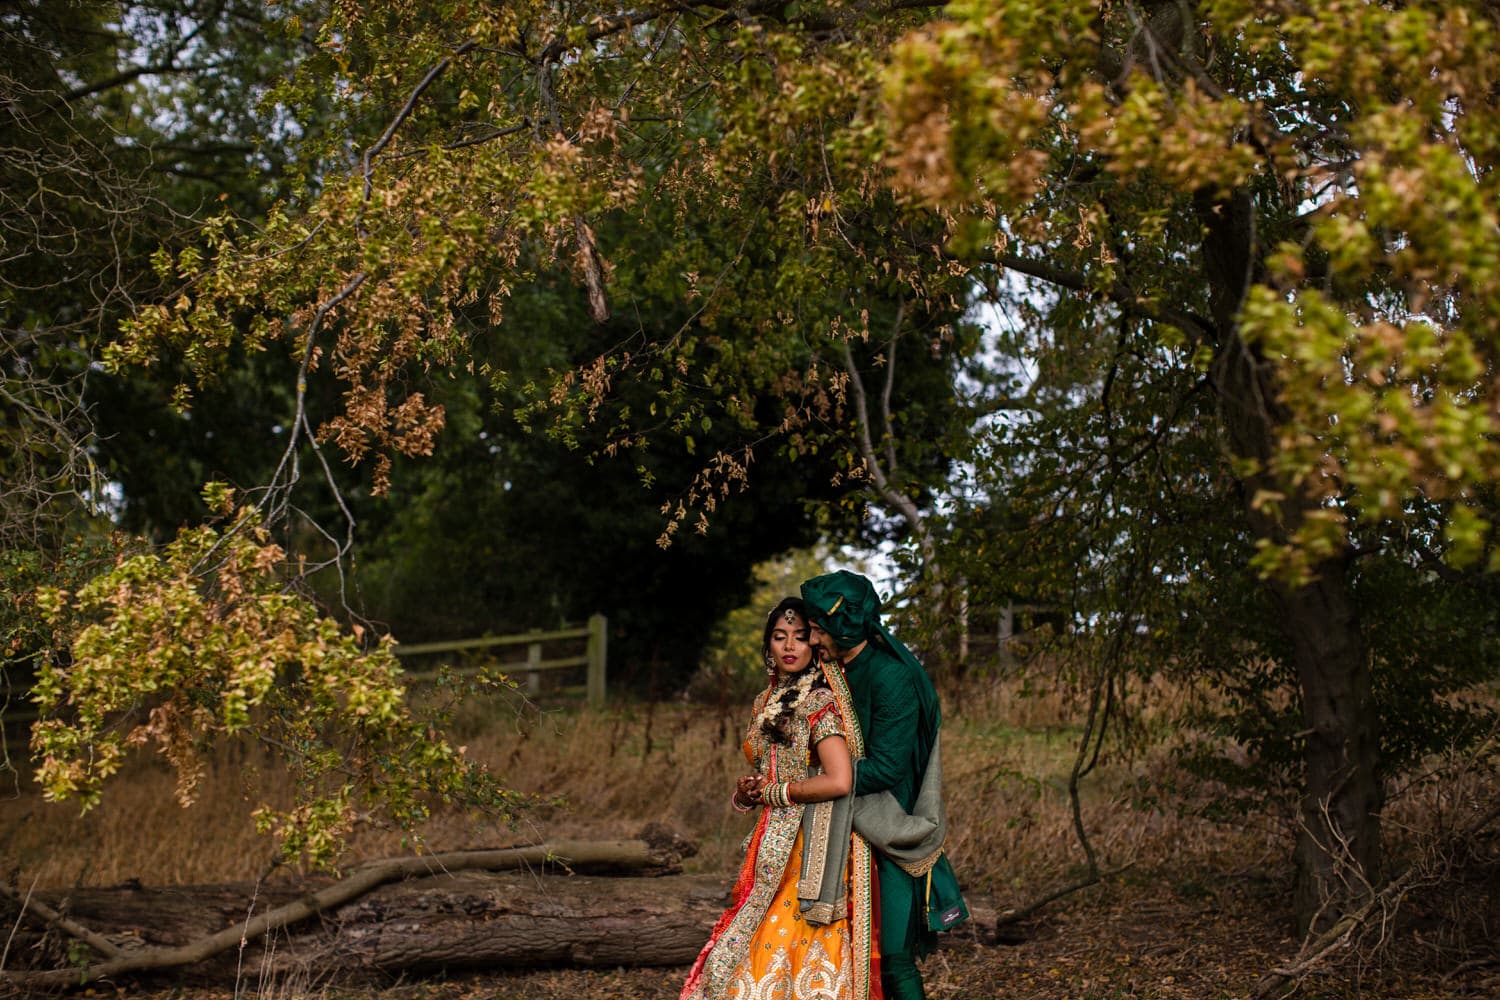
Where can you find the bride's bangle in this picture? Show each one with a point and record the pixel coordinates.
(734, 800)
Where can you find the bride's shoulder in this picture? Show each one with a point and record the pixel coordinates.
(817, 699)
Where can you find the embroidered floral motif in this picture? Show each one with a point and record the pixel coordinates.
(826, 722)
(818, 977)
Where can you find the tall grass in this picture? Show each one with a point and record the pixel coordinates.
(1007, 755)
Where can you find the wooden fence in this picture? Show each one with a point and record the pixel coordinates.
(18, 712)
(594, 657)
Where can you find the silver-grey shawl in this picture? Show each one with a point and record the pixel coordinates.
(913, 840)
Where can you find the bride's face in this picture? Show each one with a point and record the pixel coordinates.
(790, 649)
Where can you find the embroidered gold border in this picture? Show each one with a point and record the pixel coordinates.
(812, 872)
(861, 884)
(919, 869)
(839, 684)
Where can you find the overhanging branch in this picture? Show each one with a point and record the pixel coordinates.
(1131, 302)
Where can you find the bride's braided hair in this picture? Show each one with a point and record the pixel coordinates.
(787, 694)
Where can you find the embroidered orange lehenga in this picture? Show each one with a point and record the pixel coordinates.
(769, 945)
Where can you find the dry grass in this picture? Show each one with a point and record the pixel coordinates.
(138, 832)
(1007, 757)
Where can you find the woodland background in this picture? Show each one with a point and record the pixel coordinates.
(1172, 325)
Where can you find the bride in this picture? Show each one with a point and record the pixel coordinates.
(799, 925)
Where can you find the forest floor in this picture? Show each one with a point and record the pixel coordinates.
(1192, 905)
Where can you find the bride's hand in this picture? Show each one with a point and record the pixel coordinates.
(747, 788)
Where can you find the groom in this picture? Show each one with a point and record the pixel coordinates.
(898, 712)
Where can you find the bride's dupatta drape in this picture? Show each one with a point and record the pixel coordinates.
(803, 909)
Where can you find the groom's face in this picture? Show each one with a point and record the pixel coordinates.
(822, 639)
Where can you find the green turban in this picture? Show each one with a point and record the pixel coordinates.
(844, 605)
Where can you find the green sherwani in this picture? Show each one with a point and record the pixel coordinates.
(898, 713)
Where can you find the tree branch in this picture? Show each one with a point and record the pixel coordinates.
(68, 926)
(499, 133)
(890, 384)
(1435, 562)
(1101, 705)
(1020, 913)
(1002, 404)
(888, 493)
(151, 69)
(407, 108)
(1317, 949)
(122, 78)
(288, 470)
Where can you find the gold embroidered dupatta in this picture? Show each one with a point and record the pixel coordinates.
(861, 861)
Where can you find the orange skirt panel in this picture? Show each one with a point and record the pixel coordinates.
(790, 958)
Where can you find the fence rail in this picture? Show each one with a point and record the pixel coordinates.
(594, 657)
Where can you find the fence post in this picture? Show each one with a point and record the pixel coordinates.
(1007, 632)
(598, 644)
(533, 678)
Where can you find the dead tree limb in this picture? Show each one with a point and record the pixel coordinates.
(53, 918)
(1378, 910)
(1101, 702)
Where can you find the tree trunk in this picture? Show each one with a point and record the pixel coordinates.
(372, 920)
(484, 919)
(1338, 842)
(469, 919)
(946, 651)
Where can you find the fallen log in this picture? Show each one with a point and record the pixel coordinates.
(494, 920)
(409, 914)
(387, 919)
